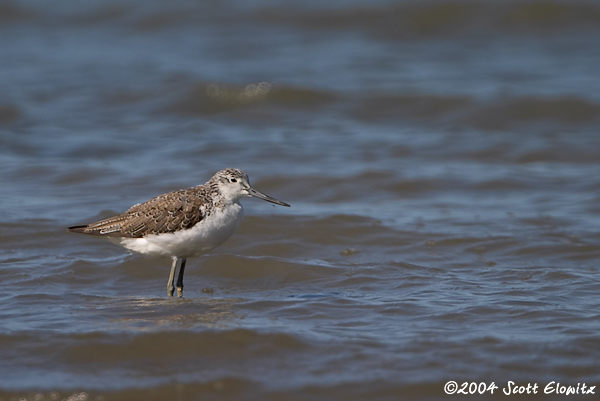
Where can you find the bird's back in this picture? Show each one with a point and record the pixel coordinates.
(167, 213)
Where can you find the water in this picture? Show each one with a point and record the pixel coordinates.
(441, 160)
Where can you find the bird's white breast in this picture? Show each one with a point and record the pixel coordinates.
(206, 235)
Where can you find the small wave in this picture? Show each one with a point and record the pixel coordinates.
(466, 112)
(505, 113)
(205, 99)
(415, 20)
(178, 346)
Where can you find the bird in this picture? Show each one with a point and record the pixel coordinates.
(181, 224)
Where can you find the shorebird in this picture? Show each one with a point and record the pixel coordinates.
(181, 224)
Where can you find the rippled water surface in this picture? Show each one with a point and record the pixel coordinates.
(442, 160)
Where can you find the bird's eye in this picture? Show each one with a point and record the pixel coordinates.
(232, 180)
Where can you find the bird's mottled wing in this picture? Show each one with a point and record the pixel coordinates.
(166, 213)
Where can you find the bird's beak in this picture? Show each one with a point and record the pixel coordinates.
(253, 192)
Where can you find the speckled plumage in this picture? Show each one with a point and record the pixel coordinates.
(181, 224)
(167, 213)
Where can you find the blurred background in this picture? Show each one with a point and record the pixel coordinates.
(442, 163)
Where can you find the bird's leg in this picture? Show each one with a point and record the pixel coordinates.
(170, 286)
(180, 278)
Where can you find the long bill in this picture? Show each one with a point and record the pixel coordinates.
(253, 192)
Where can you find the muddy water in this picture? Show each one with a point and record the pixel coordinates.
(441, 160)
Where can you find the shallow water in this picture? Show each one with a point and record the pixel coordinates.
(441, 160)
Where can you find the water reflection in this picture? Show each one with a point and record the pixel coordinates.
(151, 314)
